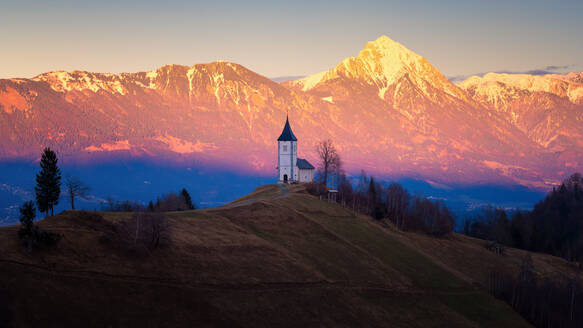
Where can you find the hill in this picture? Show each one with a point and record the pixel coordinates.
(277, 257)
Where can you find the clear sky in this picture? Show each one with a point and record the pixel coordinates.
(287, 38)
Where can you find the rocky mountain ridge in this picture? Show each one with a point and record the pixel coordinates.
(388, 109)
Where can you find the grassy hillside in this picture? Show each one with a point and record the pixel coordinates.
(277, 257)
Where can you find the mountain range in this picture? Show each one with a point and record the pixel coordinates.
(388, 110)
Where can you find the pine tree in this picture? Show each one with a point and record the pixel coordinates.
(48, 182)
(187, 199)
(27, 214)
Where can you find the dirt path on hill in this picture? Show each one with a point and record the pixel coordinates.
(284, 190)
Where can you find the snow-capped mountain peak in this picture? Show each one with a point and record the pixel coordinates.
(382, 63)
(387, 59)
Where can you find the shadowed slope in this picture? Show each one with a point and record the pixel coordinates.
(277, 260)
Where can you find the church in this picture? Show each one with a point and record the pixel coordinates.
(291, 169)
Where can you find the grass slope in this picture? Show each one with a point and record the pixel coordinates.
(276, 257)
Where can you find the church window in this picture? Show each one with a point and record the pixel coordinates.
(284, 147)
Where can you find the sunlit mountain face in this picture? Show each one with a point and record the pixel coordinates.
(388, 110)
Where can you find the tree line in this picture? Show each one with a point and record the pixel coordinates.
(172, 201)
(553, 226)
(545, 302)
(48, 193)
(368, 196)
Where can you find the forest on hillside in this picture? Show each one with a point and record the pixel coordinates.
(554, 226)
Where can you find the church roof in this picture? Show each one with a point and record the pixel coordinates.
(287, 134)
(303, 164)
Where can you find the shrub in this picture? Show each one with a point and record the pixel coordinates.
(172, 202)
(316, 189)
(111, 205)
(33, 237)
(142, 233)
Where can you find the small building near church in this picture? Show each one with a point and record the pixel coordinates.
(305, 170)
(290, 168)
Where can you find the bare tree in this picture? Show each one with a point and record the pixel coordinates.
(74, 187)
(329, 159)
(397, 204)
(143, 232)
(172, 202)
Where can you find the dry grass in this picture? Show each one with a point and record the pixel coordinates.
(470, 260)
(269, 261)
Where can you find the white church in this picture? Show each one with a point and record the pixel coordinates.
(291, 169)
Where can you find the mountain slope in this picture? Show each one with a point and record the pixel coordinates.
(415, 115)
(388, 110)
(549, 109)
(265, 260)
(174, 111)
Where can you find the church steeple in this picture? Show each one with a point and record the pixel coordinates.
(291, 169)
(287, 134)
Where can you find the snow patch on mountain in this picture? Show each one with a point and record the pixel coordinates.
(328, 99)
(152, 75)
(500, 88)
(62, 81)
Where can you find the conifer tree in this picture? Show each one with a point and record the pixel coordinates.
(48, 182)
(187, 199)
(27, 214)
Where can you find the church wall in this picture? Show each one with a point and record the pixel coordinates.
(306, 175)
(287, 152)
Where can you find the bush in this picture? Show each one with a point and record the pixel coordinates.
(316, 189)
(33, 237)
(379, 212)
(143, 233)
(39, 239)
(173, 202)
(111, 205)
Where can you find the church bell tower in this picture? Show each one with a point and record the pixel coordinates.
(287, 154)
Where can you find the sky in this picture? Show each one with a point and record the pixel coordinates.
(288, 38)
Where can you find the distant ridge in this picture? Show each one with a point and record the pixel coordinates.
(286, 78)
(388, 109)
